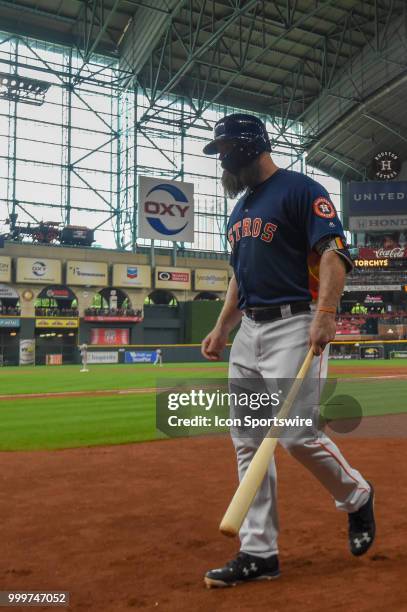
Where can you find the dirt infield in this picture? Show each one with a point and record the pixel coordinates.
(134, 528)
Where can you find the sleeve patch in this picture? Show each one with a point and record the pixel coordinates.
(322, 207)
(330, 243)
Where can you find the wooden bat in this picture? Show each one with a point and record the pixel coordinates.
(251, 481)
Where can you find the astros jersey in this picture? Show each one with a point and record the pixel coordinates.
(273, 232)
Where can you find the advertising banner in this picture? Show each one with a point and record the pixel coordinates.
(131, 275)
(372, 288)
(377, 198)
(8, 292)
(166, 209)
(380, 253)
(106, 336)
(371, 263)
(103, 357)
(55, 322)
(27, 352)
(211, 280)
(378, 224)
(139, 356)
(9, 322)
(5, 269)
(86, 273)
(57, 292)
(172, 278)
(373, 299)
(38, 270)
(377, 205)
(53, 359)
(113, 319)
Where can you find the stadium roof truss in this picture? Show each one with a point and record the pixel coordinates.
(337, 67)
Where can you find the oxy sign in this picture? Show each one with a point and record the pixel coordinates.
(166, 210)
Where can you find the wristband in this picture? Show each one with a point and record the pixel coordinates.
(327, 309)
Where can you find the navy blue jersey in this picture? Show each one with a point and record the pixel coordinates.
(273, 232)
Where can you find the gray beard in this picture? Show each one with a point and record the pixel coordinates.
(232, 184)
(235, 184)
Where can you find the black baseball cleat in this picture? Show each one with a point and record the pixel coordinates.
(243, 568)
(362, 527)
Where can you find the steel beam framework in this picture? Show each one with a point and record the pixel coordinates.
(77, 160)
(117, 123)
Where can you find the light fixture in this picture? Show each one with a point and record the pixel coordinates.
(23, 89)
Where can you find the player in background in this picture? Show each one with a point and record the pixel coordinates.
(158, 357)
(83, 349)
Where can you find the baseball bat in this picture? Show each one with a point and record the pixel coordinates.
(251, 481)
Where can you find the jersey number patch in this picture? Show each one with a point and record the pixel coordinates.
(324, 208)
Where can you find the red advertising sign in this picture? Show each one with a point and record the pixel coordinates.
(182, 277)
(112, 319)
(383, 253)
(59, 293)
(109, 336)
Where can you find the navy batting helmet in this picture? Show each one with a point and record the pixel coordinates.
(248, 135)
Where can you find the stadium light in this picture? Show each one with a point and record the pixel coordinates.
(22, 89)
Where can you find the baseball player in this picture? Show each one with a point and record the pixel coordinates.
(83, 349)
(158, 357)
(290, 259)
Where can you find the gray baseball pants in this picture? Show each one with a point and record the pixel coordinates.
(271, 350)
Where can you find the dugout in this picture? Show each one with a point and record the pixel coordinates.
(10, 323)
(51, 340)
(9, 340)
(56, 325)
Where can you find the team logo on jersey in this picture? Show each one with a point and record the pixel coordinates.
(253, 228)
(324, 208)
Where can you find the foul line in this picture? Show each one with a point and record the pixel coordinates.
(17, 396)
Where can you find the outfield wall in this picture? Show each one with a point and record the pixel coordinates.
(182, 353)
(146, 354)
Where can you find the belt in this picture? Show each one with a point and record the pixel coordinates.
(278, 311)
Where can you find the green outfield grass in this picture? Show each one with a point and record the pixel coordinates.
(42, 379)
(66, 422)
(74, 421)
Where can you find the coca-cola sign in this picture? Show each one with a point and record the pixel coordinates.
(382, 253)
(396, 252)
